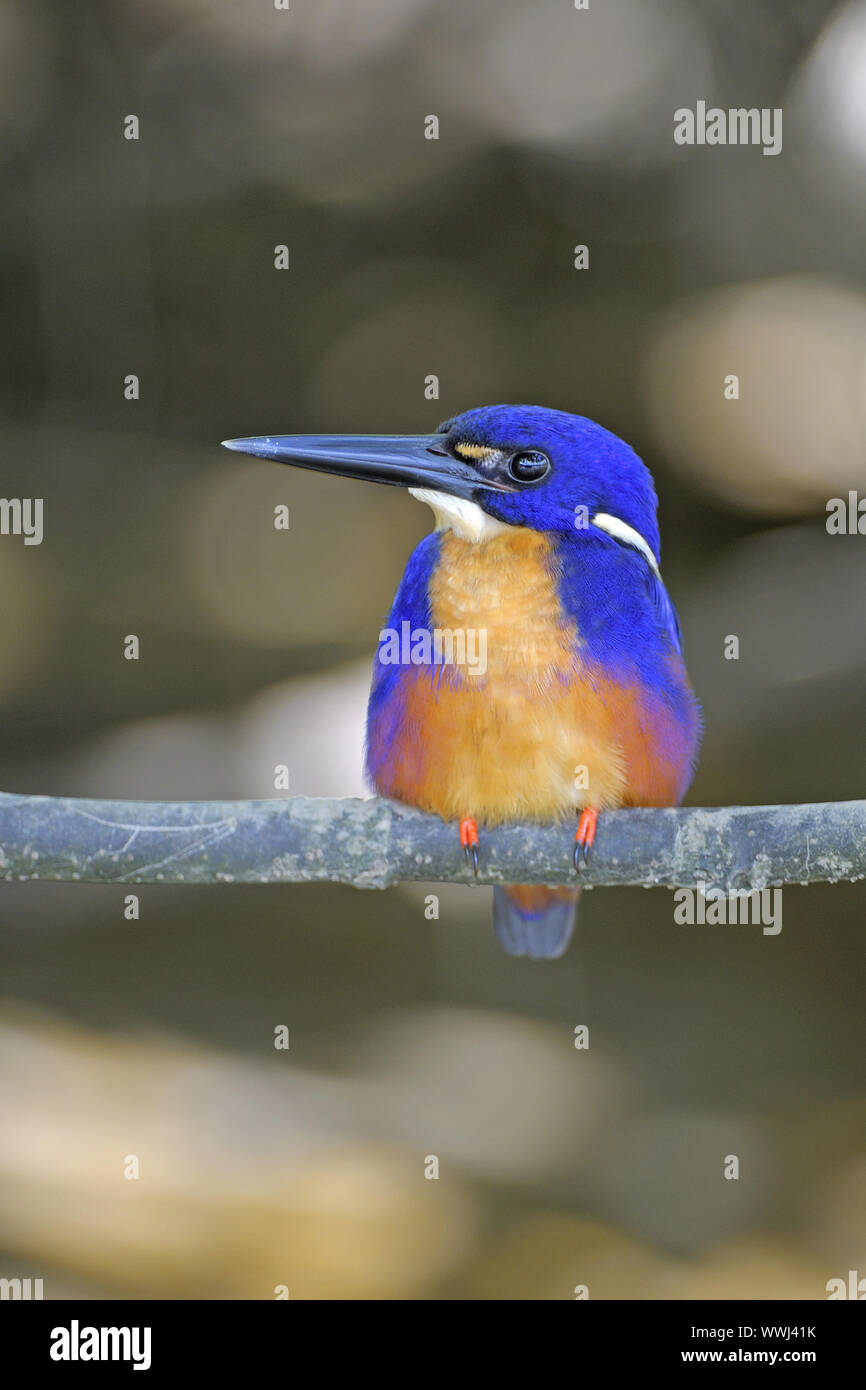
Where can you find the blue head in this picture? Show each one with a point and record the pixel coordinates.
(518, 465)
(560, 470)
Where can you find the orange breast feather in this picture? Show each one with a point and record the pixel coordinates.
(543, 731)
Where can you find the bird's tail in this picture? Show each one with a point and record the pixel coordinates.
(534, 922)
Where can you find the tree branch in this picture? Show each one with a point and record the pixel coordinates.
(374, 843)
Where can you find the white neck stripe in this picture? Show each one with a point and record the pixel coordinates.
(621, 531)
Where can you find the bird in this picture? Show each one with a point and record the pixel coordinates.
(531, 667)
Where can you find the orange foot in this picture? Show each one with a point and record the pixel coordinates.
(469, 841)
(585, 835)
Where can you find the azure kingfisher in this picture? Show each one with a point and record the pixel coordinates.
(546, 548)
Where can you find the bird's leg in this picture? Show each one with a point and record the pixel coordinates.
(469, 841)
(585, 835)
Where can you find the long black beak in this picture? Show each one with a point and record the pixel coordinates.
(403, 460)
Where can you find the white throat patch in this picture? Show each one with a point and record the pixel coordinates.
(621, 531)
(466, 519)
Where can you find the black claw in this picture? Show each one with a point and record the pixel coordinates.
(580, 846)
(469, 841)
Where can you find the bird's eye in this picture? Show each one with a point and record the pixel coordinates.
(529, 466)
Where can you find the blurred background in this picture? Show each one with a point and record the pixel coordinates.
(409, 258)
